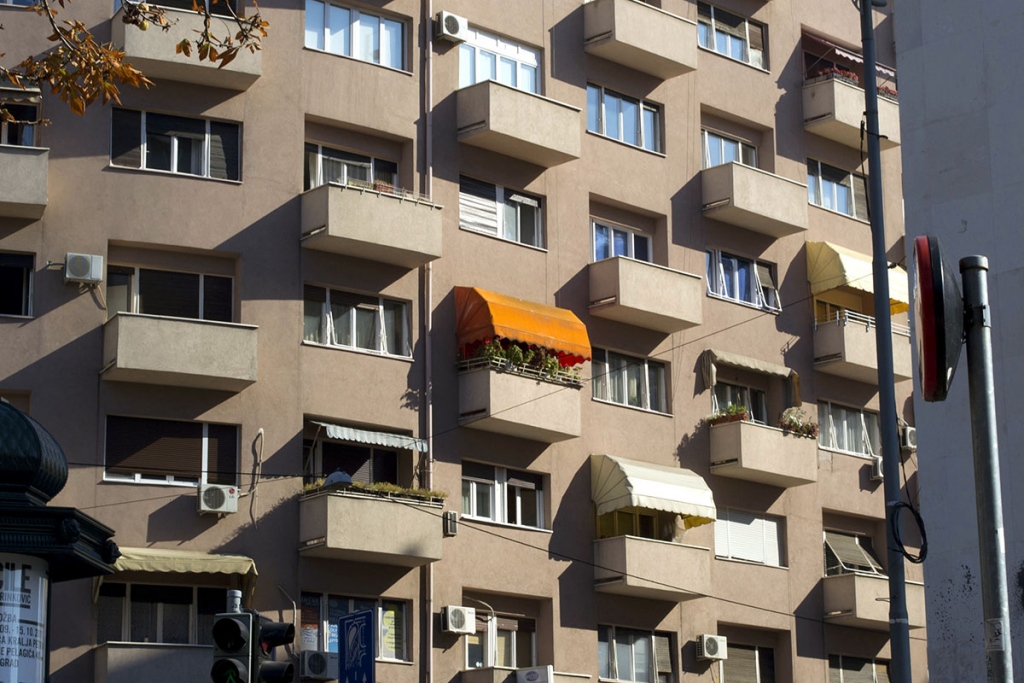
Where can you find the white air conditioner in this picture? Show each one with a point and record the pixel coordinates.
(450, 27)
(451, 523)
(712, 648)
(456, 619)
(909, 438)
(876, 468)
(87, 268)
(320, 666)
(215, 498)
(536, 674)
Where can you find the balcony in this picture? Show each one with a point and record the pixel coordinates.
(845, 346)
(640, 36)
(23, 181)
(645, 295)
(365, 528)
(754, 199)
(153, 52)
(151, 662)
(527, 405)
(179, 352)
(502, 119)
(833, 109)
(382, 225)
(862, 601)
(645, 568)
(767, 455)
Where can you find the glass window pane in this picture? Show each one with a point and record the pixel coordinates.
(394, 328)
(392, 630)
(119, 291)
(529, 225)
(642, 248)
(844, 198)
(635, 383)
(612, 112)
(528, 500)
(528, 78)
(617, 379)
(507, 72)
(656, 390)
(109, 607)
(158, 152)
(714, 150)
(315, 24)
(630, 122)
(163, 292)
(510, 221)
(475, 650)
(391, 47)
(503, 648)
(620, 244)
(175, 620)
(343, 316)
(366, 328)
(704, 35)
(467, 498)
(599, 378)
(730, 150)
(467, 65)
(369, 38)
(748, 155)
(487, 67)
(190, 156)
(744, 279)
(593, 109)
(339, 33)
(524, 649)
(336, 608)
(483, 500)
(604, 660)
(642, 658)
(623, 658)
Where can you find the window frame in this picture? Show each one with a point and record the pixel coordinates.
(143, 143)
(125, 608)
(648, 140)
(732, 517)
(21, 123)
(707, 37)
(323, 636)
(761, 297)
(135, 295)
(377, 173)
(608, 641)
(524, 58)
(505, 199)
(871, 565)
(9, 260)
(870, 434)
(327, 329)
(354, 48)
(758, 659)
(877, 676)
(602, 380)
(632, 237)
(500, 495)
(489, 640)
(744, 149)
(313, 458)
(755, 400)
(855, 184)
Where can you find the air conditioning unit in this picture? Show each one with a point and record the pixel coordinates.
(909, 438)
(450, 27)
(451, 523)
(876, 468)
(86, 268)
(218, 499)
(712, 648)
(536, 674)
(456, 619)
(320, 666)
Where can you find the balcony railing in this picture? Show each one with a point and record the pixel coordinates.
(848, 317)
(845, 345)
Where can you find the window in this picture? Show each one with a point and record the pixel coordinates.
(612, 240)
(628, 381)
(150, 451)
(844, 669)
(837, 190)
(216, 7)
(753, 400)
(748, 663)
(500, 212)
(752, 538)
(168, 293)
(356, 321)
(18, 3)
(143, 613)
(742, 280)
(626, 654)
(719, 150)
(639, 522)
(16, 284)
(848, 429)
(198, 147)
(731, 35)
(623, 118)
(487, 57)
(501, 641)
(502, 495)
(365, 464)
(23, 108)
(355, 33)
(850, 554)
(325, 165)
(320, 614)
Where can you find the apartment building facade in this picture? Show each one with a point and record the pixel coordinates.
(495, 266)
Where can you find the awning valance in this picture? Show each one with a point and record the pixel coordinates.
(15, 93)
(830, 266)
(850, 55)
(387, 439)
(165, 561)
(617, 483)
(712, 358)
(481, 315)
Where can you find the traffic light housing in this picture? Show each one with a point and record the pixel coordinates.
(271, 634)
(232, 648)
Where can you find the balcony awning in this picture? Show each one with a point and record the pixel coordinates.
(166, 561)
(481, 315)
(16, 94)
(617, 483)
(848, 54)
(400, 441)
(712, 358)
(830, 266)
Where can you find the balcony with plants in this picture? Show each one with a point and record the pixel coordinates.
(785, 455)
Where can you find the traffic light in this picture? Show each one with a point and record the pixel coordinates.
(232, 648)
(271, 634)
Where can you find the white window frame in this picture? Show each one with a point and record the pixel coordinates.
(134, 295)
(204, 152)
(28, 283)
(744, 149)
(371, 164)
(603, 375)
(170, 479)
(28, 126)
(632, 237)
(757, 295)
(490, 644)
(710, 39)
(323, 42)
(324, 626)
(653, 675)
(649, 134)
(753, 399)
(329, 333)
(770, 528)
(500, 493)
(505, 199)
(126, 613)
(879, 677)
(479, 45)
(828, 436)
(816, 189)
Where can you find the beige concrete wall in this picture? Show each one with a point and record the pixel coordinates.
(645, 295)
(744, 450)
(754, 199)
(851, 350)
(126, 662)
(23, 181)
(638, 35)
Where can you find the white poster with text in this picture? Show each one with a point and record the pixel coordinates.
(23, 583)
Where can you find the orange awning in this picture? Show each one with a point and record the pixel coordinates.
(481, 315)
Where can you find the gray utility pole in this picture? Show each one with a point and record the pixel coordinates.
(899, 626)
(991, 546)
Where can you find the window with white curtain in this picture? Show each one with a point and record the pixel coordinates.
(626, 654)
(354, 33)
(358, 321)
(501, 641)
(731, 35)
(848, 429)
(502, 495)
(748, 664)
(720, 149)
(487, 57)
(754, 400)
(623, 118)
(500, 212)
(845, 669)
(612, 240)
(629, 381)
(837, 190)
(752, 538)
(325, 165)
(742, 280)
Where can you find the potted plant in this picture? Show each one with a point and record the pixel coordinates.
(733, 413)
(795, 421)
(888, 93)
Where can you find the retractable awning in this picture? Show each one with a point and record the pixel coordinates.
(854, 57)
(387, 439)
(830, 266)
(712, 358)
(617, 483)
(165, 561)
(481, 315)
(14, 93)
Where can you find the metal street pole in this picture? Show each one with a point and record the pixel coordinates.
(991, 545)
(899, 626)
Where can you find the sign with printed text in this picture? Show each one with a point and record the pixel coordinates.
(23, 594)
(357, 647)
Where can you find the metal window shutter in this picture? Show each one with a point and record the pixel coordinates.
(165, 124)
(857, 670)
(746, 536)
(165, 292)
(217, 298)
(773, 541)
(385, 466)
(222, 454)
(756, 36)
(741, 666)
(766, 664)
(16, 261)
(704, 11)
(850, 553)
(126, 138)
(154, 447)
(353, 460)
(732, 24)
(314, 294)
(473, 471)
(224, 150)
(663, 654)
(524, 480)
(478, 207)
(860, 197)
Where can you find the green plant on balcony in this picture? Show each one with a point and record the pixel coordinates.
(733, 413)
(517, 356)
(380, 489)
(795, 421)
